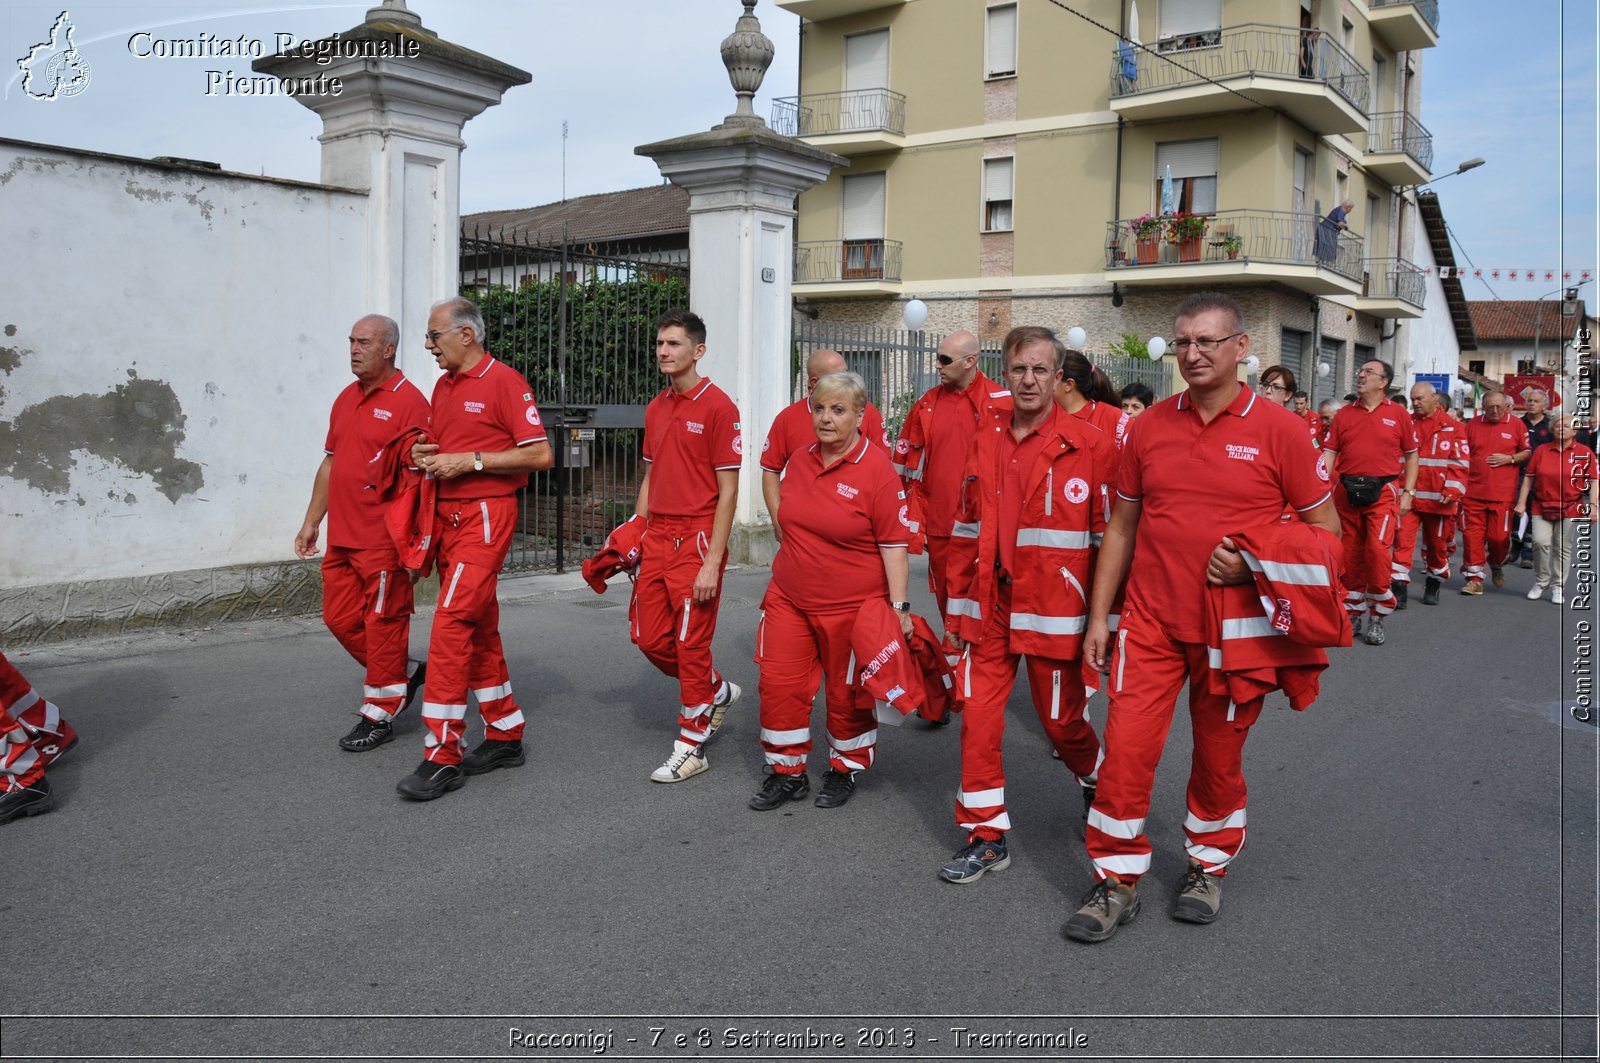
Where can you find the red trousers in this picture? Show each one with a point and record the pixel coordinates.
(987, 675)
(796, 650)
(1368, 537)
(669, 626)
(367, 603)
(938, 547)
(464, 649)
(1148, 668)
(1437, 531)
(1486, 536)
(32, 732)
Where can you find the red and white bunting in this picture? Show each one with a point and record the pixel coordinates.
(1486, 273)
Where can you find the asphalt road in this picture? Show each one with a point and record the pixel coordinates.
(1420, 878)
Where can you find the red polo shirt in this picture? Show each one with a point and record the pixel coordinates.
(834, 521)
(1487, 483)
(792, 432)
(486, 409)
(1112, 420)
(360, 424)
(954, 423)
(1561, 479)
(687, 439)
(1198, 482)
(1016, 458)
(1371, 442)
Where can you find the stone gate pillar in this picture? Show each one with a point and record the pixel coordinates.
(395, 129)
(742, 179)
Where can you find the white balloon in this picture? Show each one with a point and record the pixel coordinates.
(915, 314)
(1157, 347)
(1323, 369)
(1076, 337)
(1252, 363)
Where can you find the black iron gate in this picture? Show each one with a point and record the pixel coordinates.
(578, 321)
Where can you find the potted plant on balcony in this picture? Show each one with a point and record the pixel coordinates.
(1231, 244)
(1146, 230)
(1186, 231)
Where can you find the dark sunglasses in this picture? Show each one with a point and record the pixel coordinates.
(943, 359)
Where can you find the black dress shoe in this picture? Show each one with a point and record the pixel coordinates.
(1430, 592)
(776, 789)
(837, 786)
(431, 780)
(491, 755)
(415, 684)
(26, 800)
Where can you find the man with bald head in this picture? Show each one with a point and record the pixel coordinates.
(1441, 482)
(932, 450)
(792, 432)
(366, 592)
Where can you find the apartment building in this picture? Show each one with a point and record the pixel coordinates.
(1013, 162)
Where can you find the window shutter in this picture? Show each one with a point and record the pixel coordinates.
(1002, 57)
(1180, 18)
(863, 207)
(1188, 158)
(996, 179)
(866, 61)
(1291, 355)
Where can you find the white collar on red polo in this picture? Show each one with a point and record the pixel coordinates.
(1246, 396)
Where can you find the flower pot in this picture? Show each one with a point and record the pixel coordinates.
(1189, 249)
(1148, 252)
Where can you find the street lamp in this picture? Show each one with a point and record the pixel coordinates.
(1569, 305)
(1470, 164)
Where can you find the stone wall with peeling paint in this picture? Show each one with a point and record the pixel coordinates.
(171, 339)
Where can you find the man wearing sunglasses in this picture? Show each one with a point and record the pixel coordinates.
(932, 448)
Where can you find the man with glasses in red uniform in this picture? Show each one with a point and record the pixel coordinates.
(1214, 460)
(485, 438)
(366, 591)
(1497, 445)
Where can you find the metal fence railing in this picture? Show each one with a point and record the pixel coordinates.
(1428, 9)
(821, 113)
(1394, 278)
(846, 260)
(1249, 49)
(1396, 131)
(1275, 236)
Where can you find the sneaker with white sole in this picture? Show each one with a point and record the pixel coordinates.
(977, 859)
(720, 705)
(1556, 596)
(1536, 592)
(686, 762)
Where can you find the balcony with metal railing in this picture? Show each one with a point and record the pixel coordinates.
(1235, 68)
(846, 123)
(1399, 149)
(1405, 24)
(1392, 287)
(847, 267)
(1300, 251)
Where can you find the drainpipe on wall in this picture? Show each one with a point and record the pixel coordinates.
(1116, 185)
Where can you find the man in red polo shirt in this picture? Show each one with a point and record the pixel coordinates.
(932, 448)
(693, 448)
(366, 592)
(1497, 445)
(1365, 449)
(792, 431)
(1211, 461)
(1039, 490)
(485, 439)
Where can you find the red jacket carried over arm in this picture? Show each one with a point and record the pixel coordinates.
(911, 678)
(410, 494)
(620, 553)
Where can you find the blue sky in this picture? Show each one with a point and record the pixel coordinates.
(1514, 83)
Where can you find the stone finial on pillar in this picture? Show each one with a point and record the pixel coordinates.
(395, 13)
(746, 52)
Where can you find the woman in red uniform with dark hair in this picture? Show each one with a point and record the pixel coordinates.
(844, 542)
(1086, 392)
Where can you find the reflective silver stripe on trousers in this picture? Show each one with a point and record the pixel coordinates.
(383, 589)
(484, 506)
(450, 594)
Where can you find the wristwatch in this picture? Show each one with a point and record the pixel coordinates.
(1408, 491)
(477, 462)
(901, 607)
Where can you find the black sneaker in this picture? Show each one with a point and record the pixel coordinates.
(1430, 592)
(367, 734)
(977, 859)
(414, 685)
(431, 780)
(491, 755)
(837, 786)
(26, 800)
(1088, 800)
(1374, 635)
(776, 789)
(1400, 592)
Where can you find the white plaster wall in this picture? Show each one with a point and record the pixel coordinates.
(236, 292)
(1429, 342)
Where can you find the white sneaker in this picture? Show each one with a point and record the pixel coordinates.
(1556, 595)
(1537, 592)
(720, 705)
(686, 761)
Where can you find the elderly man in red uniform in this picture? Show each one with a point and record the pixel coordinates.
(693, 448)
(32, 737)
(1371, 443)
(1441, 481)
(1038, 494)
(1213, 460)
(485, 438)
(792, 431)
(1497, 445)
(366, 592)
(932, 448)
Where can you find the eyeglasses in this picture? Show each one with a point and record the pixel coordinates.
(434, 334)
(1274, 386)
(1203, 346)
(1031, 370)
(1370, 372)
(943, 359)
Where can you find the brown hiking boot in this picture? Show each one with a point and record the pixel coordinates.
(1497, 576)
(1110, 904)
(1474, 586)
(1199, 896)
